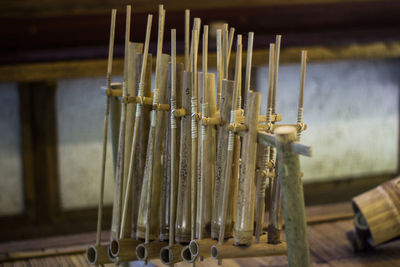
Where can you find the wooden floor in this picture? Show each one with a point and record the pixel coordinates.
(327, 238)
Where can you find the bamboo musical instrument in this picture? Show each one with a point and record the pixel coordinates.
(262, 178)
(229, 156)
(152, 193)
(301, 97)
(118, 181)
(139, 108)
(96, 254)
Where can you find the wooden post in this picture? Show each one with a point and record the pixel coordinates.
(244, 224)
(293, 198)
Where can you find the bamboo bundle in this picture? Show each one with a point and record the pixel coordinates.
(171, 184)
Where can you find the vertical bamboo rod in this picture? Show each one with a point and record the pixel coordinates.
(173, 139)
(229, 157)
(137, 120)
(229, 49)
(187, 37)
(105, 133)
(219, 68)
(121, 141)
(248, 60)
(194, 126)
(225, 43)
(203, 130)
(292, 192)
(276, 72)
(301, 97)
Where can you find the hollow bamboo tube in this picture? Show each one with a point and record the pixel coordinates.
(230, 151)
(293, 198)
(244, 224)
(134, 48)
(116, 216)
(227, 251)
(194, 130)
(229, 49)
(183, 216)
(123, 250)
(207, 161)
(149, 251)
(222, 149)
(141, 147)
(262, 180)
(97, 255)
(153, 168)
(171, 254)
(276, 70)
(301, 97)
(138, 115)
(152, 179)
(105, 133)
(379, 207)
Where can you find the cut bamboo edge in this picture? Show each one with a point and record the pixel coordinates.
(123, 249)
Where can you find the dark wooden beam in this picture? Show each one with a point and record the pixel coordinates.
(84, 36)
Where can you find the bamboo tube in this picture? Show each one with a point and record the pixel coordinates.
(123, 250)
(222, 149)
(115, 225)
(301, 97)
(134, 48)
(379, 207)
(248, 60)
(166, 178)
(230, 154)
(97, 255)
(292, 193)
(276, 70)
(149, 251)
(183, 216)
(141, 147)
(194, 128)
(155, 131)
(245, 204)
(226, 251)
(261, 183)
(139, 108)
(171, 254)
(225, 44)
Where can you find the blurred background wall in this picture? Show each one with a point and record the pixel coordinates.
(53, 64)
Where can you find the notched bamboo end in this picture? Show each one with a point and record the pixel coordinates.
(97, 255)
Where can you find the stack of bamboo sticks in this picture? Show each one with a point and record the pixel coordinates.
(192, 167)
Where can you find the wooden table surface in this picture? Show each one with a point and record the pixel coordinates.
(327, 229)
